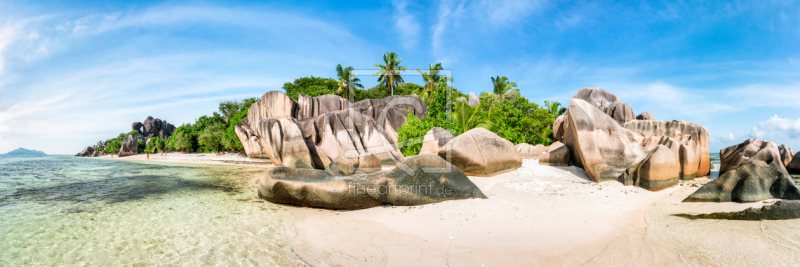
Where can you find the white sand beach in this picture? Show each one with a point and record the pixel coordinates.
(196, 158)
(546, 216)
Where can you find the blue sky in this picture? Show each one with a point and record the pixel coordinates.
(72, 73)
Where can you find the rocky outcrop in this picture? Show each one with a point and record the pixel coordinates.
(310, 107)
(692, 147)
(557, 154)
(474, 101)
(480, 152)
(86, 152)
(787, 153)
(332, 127)
(137, 126)
(598, 143)
(152, 127)
(781, 210)
(749, 150)
(435, 139)
(527, 151)
(130, 146)
(751, 181)
(659, 170)
(283, 141)
(646, 116)
(794, 166)
(407, 186)
(609, 103)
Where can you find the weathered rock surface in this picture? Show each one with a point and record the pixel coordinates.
(412, 186)
(692, 139)
(646, 116)
(557, 154)
(273, 104)
(435, 140)
(528, 151)
(137, 126)
(474, 101)
(332, 126)
(130, 146)
(314, 106)
(794, 166)
(86, 152)
(152, 127)
(598, 143)
(609, 103)
(283, 141)
(781, 210)
(754, 180)
(480, 152)
(658, 171)
(558, 128)
(749, 150)
(787, 153)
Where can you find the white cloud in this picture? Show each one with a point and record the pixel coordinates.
(80, 28)
(777, 127)
(406, 24)
(728, 137)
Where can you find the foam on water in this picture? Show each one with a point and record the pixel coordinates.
(78, 211)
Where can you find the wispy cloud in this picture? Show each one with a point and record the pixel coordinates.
(407, 24)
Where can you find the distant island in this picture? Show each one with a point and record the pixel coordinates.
(25, 152)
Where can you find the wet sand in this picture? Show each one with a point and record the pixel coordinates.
(197, 158)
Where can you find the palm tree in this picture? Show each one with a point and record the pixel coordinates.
(431, 78)
(390, 71)
(555, 108)
(502, 87)
(467, 117)
(347, 81)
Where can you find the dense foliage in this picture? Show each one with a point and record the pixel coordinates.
(311, 86)
(411, 134)
(215, 133)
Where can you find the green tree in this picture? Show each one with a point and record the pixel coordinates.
(411, 134)
(467, 117)
(554, 107)
(348, 81)
(518, 120)
(502, 88)
(153, 144)
(390, 71)
(432, 80)
(183, 141)
(311, 86)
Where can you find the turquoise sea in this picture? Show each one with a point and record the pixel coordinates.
(63, 210)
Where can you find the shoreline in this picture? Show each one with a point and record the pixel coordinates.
(195, 158)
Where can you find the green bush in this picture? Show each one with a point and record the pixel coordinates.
(518, 120)
(311, 86)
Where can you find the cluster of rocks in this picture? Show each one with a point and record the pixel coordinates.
(754, 170)
(331, 153)
(153, 127)
(604, 137)
(150, 128)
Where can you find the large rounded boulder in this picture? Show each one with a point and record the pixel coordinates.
(412, 182)
(749, 150)
(283, 141)
(659, 170)
(309, 107)
(435, 139)
(787, 153)
(692, 143)
(480, 152)
(598, 143)
(130, 146)
(754, 180)
(794, 166)
(528, 151)
(557, 154)
(609, 103)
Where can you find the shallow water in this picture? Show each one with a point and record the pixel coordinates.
(62, 210)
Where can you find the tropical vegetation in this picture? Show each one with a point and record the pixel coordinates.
(389, 71)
